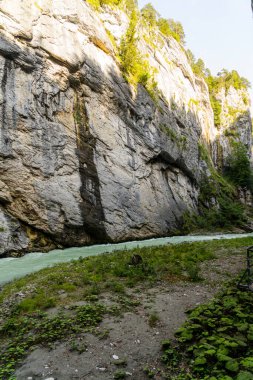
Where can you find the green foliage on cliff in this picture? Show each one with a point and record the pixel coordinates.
(198, 66)
(128, 5)
(232, 79)
(168, 27)
(216, 106)
(238, 168)
(94, 3)
(218, 204)
(149, 15)
(172, 28)
(224, 80)
(135, 68)
(179, 140)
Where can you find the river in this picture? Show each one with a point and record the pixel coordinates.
(12, 268)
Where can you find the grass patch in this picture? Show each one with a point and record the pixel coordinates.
(21, 333)
(153, 319)
(216, 343)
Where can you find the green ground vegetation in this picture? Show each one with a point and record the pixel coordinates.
(216, 342)
(26, 324)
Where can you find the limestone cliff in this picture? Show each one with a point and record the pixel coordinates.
(85, 157)
(236, 123)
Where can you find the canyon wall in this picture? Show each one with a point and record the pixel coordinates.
(84, 156)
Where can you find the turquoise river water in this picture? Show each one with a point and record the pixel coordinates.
(11, 268)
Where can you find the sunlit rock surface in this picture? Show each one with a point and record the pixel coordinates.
(83, 156)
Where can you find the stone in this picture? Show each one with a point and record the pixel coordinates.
(5, 195)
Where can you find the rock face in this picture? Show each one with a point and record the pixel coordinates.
(83, 156)
(236, 124)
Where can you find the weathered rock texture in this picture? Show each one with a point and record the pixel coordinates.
(83, 156)
(236, 124)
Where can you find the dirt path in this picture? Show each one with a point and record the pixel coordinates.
(127, 344)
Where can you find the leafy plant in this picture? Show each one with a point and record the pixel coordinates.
(215, 342)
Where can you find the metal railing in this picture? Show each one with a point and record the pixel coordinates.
(246, 280)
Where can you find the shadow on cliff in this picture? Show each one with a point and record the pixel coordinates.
(174, 126)
(175, 130)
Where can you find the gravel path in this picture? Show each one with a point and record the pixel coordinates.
(131, 342)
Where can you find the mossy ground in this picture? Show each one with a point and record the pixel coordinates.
(26, 304)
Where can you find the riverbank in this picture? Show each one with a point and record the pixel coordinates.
(12, 268)
(105, 316)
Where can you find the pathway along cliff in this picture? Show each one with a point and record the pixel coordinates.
(12, 268)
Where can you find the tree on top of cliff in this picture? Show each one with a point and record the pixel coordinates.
(149, 15)
(168, 27)
(171, 28)
(233, 79)
(128, 5)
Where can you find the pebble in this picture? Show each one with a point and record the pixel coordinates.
(20, 294)
(115, 357)
(49, 378)
(29, 378)
(102, 369)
